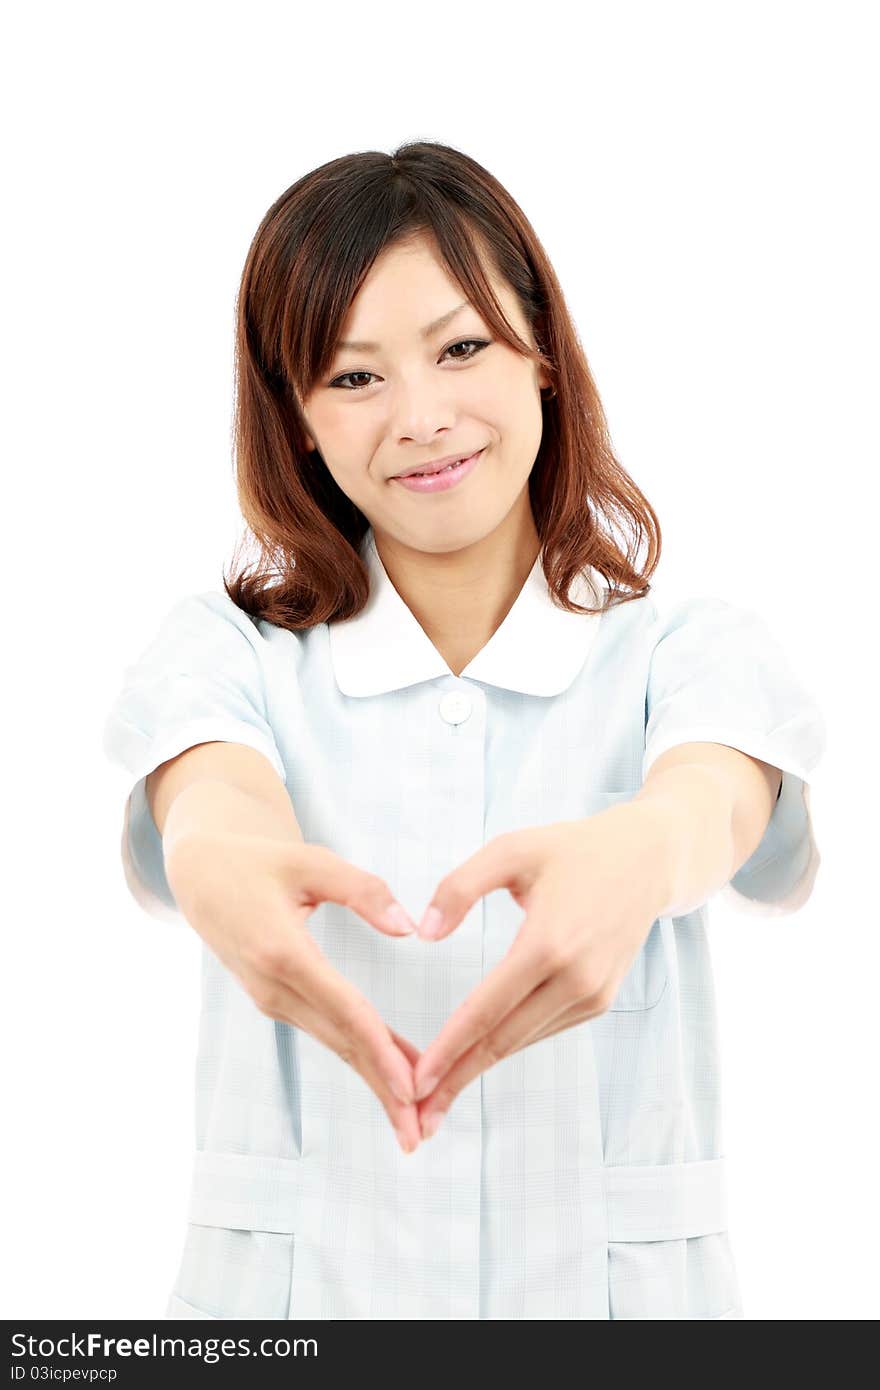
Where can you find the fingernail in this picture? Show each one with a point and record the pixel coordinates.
(431, 922)
(432, 1124)
(405, 1142)
(398, 1090)
(398, 918)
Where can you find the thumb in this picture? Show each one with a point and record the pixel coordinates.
(496, 865)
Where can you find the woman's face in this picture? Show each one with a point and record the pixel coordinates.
(413, 398)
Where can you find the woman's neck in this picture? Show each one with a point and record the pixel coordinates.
(460, 598)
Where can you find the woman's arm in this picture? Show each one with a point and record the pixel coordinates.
(220, 787)
(713, 804)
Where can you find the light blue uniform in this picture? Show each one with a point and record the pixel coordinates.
(582, 1177)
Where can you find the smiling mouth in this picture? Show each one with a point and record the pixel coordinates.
(435, 472)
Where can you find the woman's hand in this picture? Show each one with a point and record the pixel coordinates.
(249, 897)
(591, 890)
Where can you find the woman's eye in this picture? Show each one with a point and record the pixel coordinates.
(476, 343)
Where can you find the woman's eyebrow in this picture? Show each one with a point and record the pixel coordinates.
(426, 332)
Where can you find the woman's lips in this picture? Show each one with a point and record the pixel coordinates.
(442, 481)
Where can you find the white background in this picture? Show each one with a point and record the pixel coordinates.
(703, 177)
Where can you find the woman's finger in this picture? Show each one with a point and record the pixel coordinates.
(535, 1013)
(356, 1033)
(569, 1018)
(514, 979)
(411, 1053)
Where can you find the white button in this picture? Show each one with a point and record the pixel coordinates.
(455, 707)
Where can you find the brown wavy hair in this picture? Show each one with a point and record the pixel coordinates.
(306, 263)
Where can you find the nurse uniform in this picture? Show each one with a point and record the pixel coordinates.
(583, 1176)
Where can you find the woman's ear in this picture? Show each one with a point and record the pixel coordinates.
(309, 442)
(543, 374)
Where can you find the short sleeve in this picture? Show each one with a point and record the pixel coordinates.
(719, 675)
(200, 679)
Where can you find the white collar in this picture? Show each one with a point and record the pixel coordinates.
(538, 649)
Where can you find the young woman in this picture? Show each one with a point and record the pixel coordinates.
(444, 685)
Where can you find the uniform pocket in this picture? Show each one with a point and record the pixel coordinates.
(237, 1259)
(179, 1308)
(645, 982)
(231, 1273)
(690, 1278)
